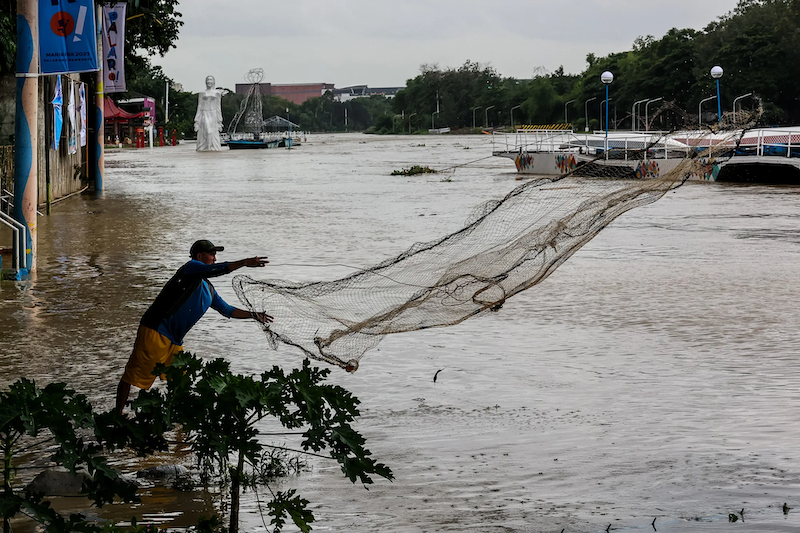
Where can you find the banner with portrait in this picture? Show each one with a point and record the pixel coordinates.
(114, 48)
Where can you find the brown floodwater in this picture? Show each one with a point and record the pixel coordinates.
(653, 375)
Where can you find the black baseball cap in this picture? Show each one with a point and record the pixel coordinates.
(204, 246)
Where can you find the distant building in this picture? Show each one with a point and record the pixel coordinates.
(300, 92)
(361, 91)
(296, 93)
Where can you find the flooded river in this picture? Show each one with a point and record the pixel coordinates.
(653, 375)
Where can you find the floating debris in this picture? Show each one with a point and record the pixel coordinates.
(413, 171)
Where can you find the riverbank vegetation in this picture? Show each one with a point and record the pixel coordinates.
(216, 410)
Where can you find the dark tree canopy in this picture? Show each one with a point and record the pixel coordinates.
(756, 44)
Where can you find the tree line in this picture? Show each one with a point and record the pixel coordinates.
(756, 44)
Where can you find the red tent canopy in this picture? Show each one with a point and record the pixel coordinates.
(111, 111)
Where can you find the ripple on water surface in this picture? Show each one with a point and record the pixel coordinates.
(652, 376)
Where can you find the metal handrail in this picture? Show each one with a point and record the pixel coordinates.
(6, 196)
(19, 235)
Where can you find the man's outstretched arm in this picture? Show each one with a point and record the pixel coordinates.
(249, 262)
(199, 269)
(264, 318)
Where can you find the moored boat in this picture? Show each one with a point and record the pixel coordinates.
(757, 155)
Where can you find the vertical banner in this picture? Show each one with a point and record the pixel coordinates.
(82, 102)
(58, 117)
(114, 48)
(72, 137)
(67, 41)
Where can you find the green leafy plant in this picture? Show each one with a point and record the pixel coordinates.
(219, 410)
(31, 417)
(216, 409)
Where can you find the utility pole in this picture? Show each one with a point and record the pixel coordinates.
(166, 102)
(26, 135)
(99, 102)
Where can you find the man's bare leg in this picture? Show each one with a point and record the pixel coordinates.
(123, 391)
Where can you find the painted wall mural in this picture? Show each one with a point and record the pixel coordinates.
(524, 162)
(647, 169)
(707, 169)
(566, 163)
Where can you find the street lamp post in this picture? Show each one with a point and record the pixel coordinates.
(602, 107)
(433, 118)
(646, 122)
(486, 116)
(565, 111)
(586, 111)
(473, 115)
(634, 127)
(512, 115)
(409, 122)
(734, 104)
(289, 126)
(606, 77)
(716, 73)
(700, 107)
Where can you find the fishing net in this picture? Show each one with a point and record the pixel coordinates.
(506, 246)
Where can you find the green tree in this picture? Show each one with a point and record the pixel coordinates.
(325, 113)
(754, 44)
(219, 412)
(152, 26)
(541, 101)
(454, 91)
(55, 414)
(8, 35)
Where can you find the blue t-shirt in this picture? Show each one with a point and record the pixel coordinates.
(185, 298)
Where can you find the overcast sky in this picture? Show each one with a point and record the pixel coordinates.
(382, 44)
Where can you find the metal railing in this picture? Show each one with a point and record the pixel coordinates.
(774, 142)
(623, 146)
(18, 248)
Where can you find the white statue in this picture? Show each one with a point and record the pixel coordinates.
(208, 120)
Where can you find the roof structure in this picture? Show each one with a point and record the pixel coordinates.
(279, 122)
(111, 111)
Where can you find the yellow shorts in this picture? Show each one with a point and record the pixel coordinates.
(151, 347)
